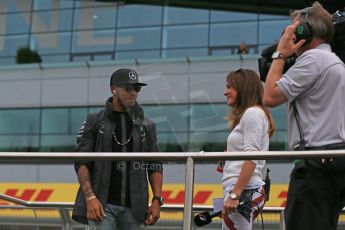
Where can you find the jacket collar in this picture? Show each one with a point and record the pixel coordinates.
(137, 111)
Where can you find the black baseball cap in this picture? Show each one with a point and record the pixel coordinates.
(125, 77)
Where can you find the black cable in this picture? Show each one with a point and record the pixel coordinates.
(260, 210)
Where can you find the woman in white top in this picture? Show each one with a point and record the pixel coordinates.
(252, 125)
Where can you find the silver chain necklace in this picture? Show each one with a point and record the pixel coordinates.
(126, 142)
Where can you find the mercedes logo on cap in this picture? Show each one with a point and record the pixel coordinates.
(132, 75)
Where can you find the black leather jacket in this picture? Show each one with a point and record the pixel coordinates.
(96, 136)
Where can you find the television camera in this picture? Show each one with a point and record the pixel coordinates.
(338, 47)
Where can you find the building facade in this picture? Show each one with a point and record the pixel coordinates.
(183, 53)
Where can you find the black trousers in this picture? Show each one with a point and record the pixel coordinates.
(315, 199)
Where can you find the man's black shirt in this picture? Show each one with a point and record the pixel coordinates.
(119, 192)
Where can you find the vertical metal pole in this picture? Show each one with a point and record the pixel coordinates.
(282, 221)
(65, 218)
(188, 196)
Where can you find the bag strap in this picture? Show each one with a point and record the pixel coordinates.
(296, 114)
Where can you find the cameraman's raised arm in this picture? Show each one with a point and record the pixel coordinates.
(273, 95)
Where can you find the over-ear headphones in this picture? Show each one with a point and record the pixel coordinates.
(304, 30)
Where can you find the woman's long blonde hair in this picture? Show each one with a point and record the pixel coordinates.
(249, 93)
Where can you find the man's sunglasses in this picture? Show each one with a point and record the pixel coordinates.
(129, 88)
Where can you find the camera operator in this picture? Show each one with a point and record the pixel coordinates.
(314, 88)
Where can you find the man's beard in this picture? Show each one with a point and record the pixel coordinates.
(125, 106)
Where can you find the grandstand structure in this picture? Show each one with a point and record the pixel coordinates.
(182, 49)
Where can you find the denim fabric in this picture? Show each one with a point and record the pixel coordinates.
(117, 218)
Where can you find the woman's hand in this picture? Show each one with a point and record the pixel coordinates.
(229, 206)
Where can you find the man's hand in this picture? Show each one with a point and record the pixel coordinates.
(153, 213)
(287, 45)
(95, 210)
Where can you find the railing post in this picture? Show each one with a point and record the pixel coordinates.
(282, 221)
(188, 196)
(65, 218)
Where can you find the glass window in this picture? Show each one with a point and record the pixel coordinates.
(279, 140)
(82, 58)
(172, 142)
(97, 4)
(279, 116)
(14, 23)
(185, 52)
(139, 15)
(143, 38)
(8, 61)
(125, 55)
(51, 4)
(169, 118)
(54, 58)
(9, 6)
(10, 44)
(103, 57)
(208, 141)
(198, 127)
(185, 36)
(77, 117)
(19, 143)
(208, 117)
(228, 16)
(172, 126)
(19, 121)
(228, 33)
(51, 43)
(208, 128)
(273, 17)
(52, 21)
(94, 109)
(177, 15)
(93, 41)
(95, 18)
(55, 121)
(58, 143)
(223, 52)
(271, 31)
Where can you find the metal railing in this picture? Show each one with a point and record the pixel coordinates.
(189, 158)
(64, 207)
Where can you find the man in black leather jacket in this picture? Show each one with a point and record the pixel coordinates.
(114, 194)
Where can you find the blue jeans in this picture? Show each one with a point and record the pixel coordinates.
(117, 218)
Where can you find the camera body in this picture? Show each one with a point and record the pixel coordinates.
(338, 45)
